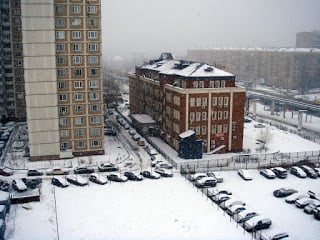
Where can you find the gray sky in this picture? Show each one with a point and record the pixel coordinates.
(154, 26)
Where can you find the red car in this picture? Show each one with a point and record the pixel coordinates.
(5, 172)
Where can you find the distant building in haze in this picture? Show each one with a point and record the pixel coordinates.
(184, 95)
(308, 39)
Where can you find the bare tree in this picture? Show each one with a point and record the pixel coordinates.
(264, 138)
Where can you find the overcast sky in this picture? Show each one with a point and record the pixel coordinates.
(154, 26)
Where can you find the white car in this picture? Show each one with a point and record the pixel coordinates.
(257, 223)
(163, 164)
(216, 175)
(294, 197)
(230, 203)
(19, 185)
(244, 215)
(244, 174)
(59, 181)
(197, 176)
(77, 180)
(97, 178)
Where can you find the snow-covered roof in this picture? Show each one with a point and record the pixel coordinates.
(185, 68)
(143, 118)
(186, 134)
(260, 49)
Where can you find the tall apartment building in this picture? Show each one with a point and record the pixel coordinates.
(183, 95)
(308, 39)
(56, 70)
(294, 68)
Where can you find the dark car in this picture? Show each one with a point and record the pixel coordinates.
(164, 172)
(280, 172)
(257, 223)
(297, 171)
(283, 192)
(133, 176)
(59, 182)
(316, 213)
(267, 173)
(4, 186)
(117, 177)
(5, 172)
(107, 167)
(150, 174)
(34, 172)
(83, 170)
(32, 183)
(311, 173)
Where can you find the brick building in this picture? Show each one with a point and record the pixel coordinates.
(183, 95)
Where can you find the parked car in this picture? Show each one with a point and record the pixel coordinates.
(150, 174)
(283, 192)
(164, 172)
(206, 182)
(301, 203)
(310, 208)
(294, 197)
(133, 176)
(163, 164)
(132, 132)
(230, 202)
(5, 172)
(316, 213)
(32, 182)
(259, 125)
(267, 173)
(136, 137)
(126, 126)
(77, 180)
(34, 172)
(151, 151)
(244, 215)
(266, 235)
(4, 185)
(297, 171)
(218, 199)
(309, 171)
(57, 171)
(244, 174)
(141, 143)
(216, 175)
(107, 167)
(117, 177)
(235, 209)
(257, 223)
(215, 191)
(59, 182)
(280, 172)
(317, 170)
(97, 178)
(83, 170)
(197, 176)
(19, 185)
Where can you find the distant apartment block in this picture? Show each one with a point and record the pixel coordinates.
(56, 75)
(308, 39)
(294, 68)
(184, 95)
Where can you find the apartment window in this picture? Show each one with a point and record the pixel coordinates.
(223, 83)
(64, 133)
(60, 47)
(197, 130)
(94, 84)
(192, 102)
(64, 145)
(220, 101)
(204, 102)
(201, 84)
(92, 59)
(195, 84)
(59, 9)
(80, 144)
(214, 101)
(76, 34)
(94, 108)
(62, 85)
(93, 71)
(233, 126)
(94, 96)
(225, 128)
(214, 115)
(61, 60)
(198, 116)
(225, 114)
(18, 63)
(219, 115)
(92, 9)
(213, 144)
(211, 84)
(79, 132)
(95, 143)
(78, 96)
(77, 59)
(95, 132)
(77, 84)
(78, 108)
(63, 109)
(79, 120)
(59, 21)
(204, 116)
(77, 47)
(77, 72)
(95, 119)
(214, 129)
(60, 35)
(76, 9)
(226, 101)
(191, 116)
(92, 46)
(76, 22)
(203, 130)
(219, 129)
(92, 22)
(92, 34)
(63, 97)
(61, 72)
(198, 102)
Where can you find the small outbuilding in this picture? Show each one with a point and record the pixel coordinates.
(189, 146)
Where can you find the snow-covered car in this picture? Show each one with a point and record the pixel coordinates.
(280, 172)
(150, 174)
(302, 202)
(77, 180)
(164, 172)
(273, 235)
(5, 172)
(163, 164)
(220, 198)
(126, 126)
(257, 223)
(317, 170)
(216, 175)
(136, 137)
(259, 125)
(235, 209)
(133, 176)
(32, 182)
(310, 208)
(283, 192)
(34, 172)
(19, 185)
(97, 178)
(294, 197)
(311, 173)
(83, 170)
(59, 181)
(132, 132)
(117, 177)
(297, 171)
(244, 174)
(197, 176)
(230, 202)
(206, 182)
(215, 191)
(57, 171)
(151, 151)
(244, 215)
(267, 173)
(107, 167)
